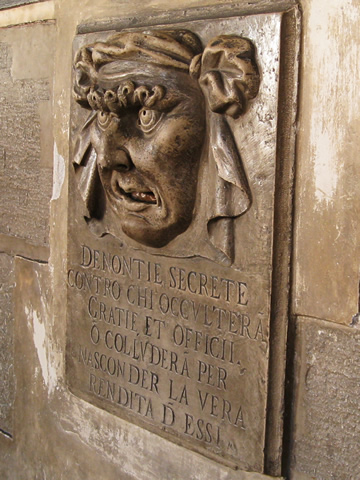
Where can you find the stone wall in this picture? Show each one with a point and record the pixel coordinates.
(26, 174)
(45, 431)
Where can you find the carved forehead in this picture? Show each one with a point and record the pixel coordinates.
(112, 74)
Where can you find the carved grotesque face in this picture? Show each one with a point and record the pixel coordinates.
(148, 153)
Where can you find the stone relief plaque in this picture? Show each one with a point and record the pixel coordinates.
(171, 211)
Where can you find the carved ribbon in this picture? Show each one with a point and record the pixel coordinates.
(229, 78)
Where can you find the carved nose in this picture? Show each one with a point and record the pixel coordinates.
(118, 159)
(122, 160)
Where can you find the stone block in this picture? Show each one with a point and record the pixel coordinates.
(326, 409)
(26, 134)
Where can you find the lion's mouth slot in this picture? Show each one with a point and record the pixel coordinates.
(140, 197)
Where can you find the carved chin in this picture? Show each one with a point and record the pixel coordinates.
(139, 228)
(144, 215)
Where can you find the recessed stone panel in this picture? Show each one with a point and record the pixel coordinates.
(25, 159)
(171, 210)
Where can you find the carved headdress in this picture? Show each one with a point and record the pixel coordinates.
(228, 76)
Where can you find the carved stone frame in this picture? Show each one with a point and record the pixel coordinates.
(284, 183)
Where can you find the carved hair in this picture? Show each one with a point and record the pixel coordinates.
(228, 76)
(226, 69)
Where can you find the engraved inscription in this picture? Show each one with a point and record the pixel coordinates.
(168, 344)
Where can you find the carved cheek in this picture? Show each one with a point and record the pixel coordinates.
(145, 153)
(171, 143)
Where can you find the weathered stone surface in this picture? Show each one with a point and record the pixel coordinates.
(7, 379)
(327, 230)
(326, 417)
(58, 435)
(25, 157)
(18, 246)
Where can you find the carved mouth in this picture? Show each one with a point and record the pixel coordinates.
(137, 200)
(132, 196)
(142, 197)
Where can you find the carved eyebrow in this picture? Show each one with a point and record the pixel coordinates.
(125, 96)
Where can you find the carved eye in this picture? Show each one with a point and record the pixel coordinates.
(148, 119)
(104, 119)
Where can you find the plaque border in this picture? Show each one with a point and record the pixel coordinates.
(281, 335)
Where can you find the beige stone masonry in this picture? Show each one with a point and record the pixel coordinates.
(37, 12)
